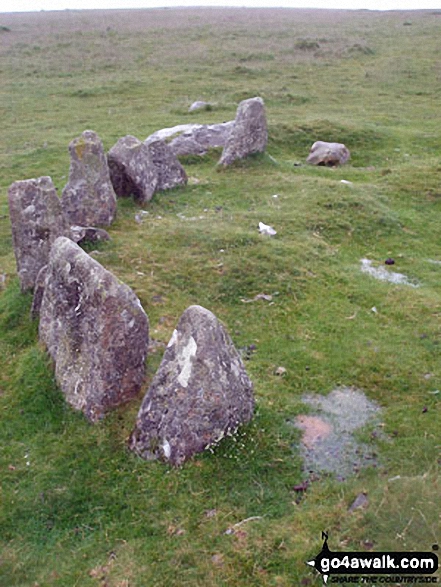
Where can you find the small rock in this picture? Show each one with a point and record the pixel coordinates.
(361, 501)
(389, 261)
(329, 154)
(199, 105)
(280, 371)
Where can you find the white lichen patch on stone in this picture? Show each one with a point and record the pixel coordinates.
(173, 339)
(383, 274)
(166, 449)
(185, 361)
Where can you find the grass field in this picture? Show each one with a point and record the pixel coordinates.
(76, 508)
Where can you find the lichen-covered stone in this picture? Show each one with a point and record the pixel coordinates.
(249, 134)
(199, 139)
(88, 198)
(170, 172)
(329, 154)
(132, 170)
(200, 393)
(36, 221)
(95, 330)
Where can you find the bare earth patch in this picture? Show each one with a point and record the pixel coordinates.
(328, 443)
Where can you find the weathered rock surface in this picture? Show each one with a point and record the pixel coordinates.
(40, 284)
(170, 172)
(95, 330)
(37, 220)
(88, 234)
(249, 133)
(329, 154)
(201, 138)
(200, 393)
(132, 171)
(88, 198)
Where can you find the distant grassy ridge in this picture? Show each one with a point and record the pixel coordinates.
(76, 508)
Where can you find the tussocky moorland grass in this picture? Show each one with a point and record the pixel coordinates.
(76, 508)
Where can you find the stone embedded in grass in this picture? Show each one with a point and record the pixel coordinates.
(200, 105)
(94, 329)
(200, 393)
(249, 134)
(329, 154)
(132, 170)
(170, 172)
(88, 198)
(200, 138)
(36, 221)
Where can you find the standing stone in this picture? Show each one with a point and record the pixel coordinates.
(170, 172)
(132, 171)
(88, 198)
(249, 133)
(95, 330)
(36, 221)
(329, 154)
(200, 393)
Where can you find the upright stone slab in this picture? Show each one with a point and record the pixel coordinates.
(36, 220)
(95, 330)
(249, 133)
(132, 170)
(170, 172)
(200, 393)
(88, 198)
(329, 154)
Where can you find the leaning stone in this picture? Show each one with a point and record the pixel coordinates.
(198, 140)
(200, 393)
(88, 234)
(36, 220)
(95, 330)
(329, 154)
(249, 134)
(199, 105)
(40, 284)
(88, 198)
(170, 172)
(132, 170)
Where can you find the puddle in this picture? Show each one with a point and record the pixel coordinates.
(328, 444)
(383, 274)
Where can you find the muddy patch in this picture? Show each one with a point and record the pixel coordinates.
(328, 443)
(383, 274)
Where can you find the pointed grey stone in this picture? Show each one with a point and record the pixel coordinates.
(132, 171)
(36, 221)
(200, 393)
(170, 172)
(88, 198)
(95, 330)
(330, 154)
(249, 134)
